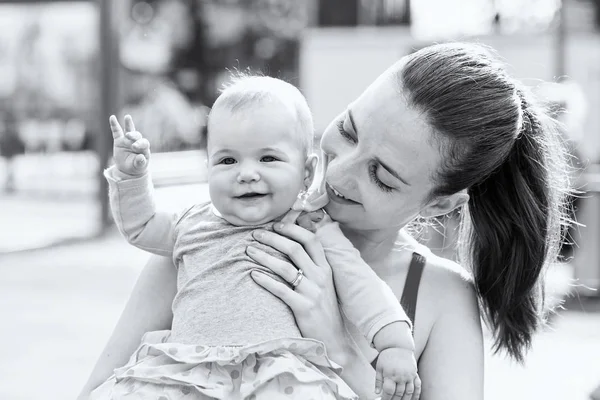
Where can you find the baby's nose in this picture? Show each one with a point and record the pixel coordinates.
(248, 174)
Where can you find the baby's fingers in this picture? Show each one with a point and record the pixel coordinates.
(137, 143)
(141, 146)
(129, 126)
(409, 391)
(417, 393)
(133, 135)
(378, 380)
(390, 389)
(115, 127)
(140, 161)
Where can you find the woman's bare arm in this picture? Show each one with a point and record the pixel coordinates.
(148, 309)
(451, 366)
(357, 372)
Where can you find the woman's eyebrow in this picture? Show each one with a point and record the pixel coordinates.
(384, 165)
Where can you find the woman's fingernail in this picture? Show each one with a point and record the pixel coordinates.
(279, 226)
(257, 234)
(250, 249)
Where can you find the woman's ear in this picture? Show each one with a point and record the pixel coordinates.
(310, 168)
(444, 204)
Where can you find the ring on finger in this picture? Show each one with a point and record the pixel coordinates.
(297, 279)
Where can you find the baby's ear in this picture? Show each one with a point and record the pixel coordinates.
(310, 169)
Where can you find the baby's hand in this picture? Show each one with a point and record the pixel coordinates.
(131, 151)
(306, 204)
(313, 220)
(397, 375)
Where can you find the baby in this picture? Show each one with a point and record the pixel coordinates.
(230, 338)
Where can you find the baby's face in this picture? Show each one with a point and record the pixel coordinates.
(256, 163)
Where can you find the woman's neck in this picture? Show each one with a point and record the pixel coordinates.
(375, 245)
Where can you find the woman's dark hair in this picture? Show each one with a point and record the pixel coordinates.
(504, 150)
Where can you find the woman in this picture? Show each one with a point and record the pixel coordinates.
(443, 128)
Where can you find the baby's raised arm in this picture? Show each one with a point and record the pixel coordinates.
(131, 193)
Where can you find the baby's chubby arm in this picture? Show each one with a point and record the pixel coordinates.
(131, 193)
(367, 300)
(371, 306)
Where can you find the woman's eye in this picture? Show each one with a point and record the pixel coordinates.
(268, 159)
(377, 181)
(227, 161)
(344, 133)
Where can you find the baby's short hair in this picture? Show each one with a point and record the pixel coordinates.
(245, 90)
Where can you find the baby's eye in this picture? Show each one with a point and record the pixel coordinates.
(227, 161)
(268, 159)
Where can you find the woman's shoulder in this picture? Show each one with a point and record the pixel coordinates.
(443, 284)
(449, 296)
(443, 271)
(440, 275)
(446, 284)
(446, 297)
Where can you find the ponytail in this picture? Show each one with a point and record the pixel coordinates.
(510, 157)
(511, 231)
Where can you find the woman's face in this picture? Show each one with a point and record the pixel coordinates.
(382, 159)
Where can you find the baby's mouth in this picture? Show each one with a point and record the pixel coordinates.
(251, 195)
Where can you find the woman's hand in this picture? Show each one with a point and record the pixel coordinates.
(313, 300)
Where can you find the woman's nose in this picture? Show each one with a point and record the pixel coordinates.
(349, 162)
(343, 172)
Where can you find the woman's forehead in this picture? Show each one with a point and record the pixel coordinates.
(383, 98)
(395, 131)
(383, 108)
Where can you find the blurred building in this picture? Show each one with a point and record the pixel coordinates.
(172, 56)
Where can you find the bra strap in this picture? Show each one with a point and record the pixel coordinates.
(411, 289)
(411, 286)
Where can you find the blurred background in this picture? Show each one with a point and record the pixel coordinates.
(65, 66)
